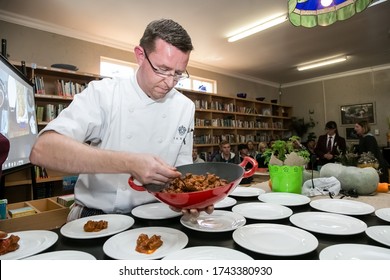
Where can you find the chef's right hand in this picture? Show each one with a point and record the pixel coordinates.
(150, 169)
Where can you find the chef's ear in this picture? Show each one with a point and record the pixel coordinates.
(139, 54)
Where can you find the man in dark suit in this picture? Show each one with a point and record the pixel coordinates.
(330, 145)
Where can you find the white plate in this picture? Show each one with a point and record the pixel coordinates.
(31, 242)
(207, 253)
(383, 213)
(262, 211)
(218, 221)
(380, 234)
(154, 211)
(354, 252)
(122, 246)
(328, 223)
(116, 223)
(246, 191)
(342, 206)
(63, 255)
(275, 239)
(226, 202)
(286, 199)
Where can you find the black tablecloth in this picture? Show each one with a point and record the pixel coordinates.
(224, 239)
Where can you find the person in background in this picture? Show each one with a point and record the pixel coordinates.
(130, 126)
(330, 145)
(310, 146)
(195, 156)
(259, 157)
(368, 143)
(225, 154)
(252, 151)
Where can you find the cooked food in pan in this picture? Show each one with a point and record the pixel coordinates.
(193, 183)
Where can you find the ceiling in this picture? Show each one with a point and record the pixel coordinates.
(270, 56)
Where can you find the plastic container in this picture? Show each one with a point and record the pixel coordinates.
(286, 178)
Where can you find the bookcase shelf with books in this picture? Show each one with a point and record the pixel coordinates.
(236, 120)
(54, 90)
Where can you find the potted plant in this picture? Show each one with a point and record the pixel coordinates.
(289, 152)
(286, 161)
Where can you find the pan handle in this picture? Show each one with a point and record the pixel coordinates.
(134, 186)
(251, 171)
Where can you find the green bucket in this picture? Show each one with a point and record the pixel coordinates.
(286, 178)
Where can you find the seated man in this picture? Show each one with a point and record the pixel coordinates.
(195, 156)
(225, 154)
(244, 152)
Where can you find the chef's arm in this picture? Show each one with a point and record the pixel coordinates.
(58, 152)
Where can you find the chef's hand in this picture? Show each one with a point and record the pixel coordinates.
(150, 169)
(193, 214)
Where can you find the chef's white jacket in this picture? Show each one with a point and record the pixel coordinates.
(115, 114)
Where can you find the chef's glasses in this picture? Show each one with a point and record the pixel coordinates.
(167, 74)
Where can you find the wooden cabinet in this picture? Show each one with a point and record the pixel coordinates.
(237, 120)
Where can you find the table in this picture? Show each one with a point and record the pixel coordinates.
(196, 238)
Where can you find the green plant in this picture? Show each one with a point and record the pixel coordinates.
(281, 149)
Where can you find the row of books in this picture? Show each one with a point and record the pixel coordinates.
(228, 122)
(62, 87)
(48, 112)
(231, 138)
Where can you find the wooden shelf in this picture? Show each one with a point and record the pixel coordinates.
(242, 120)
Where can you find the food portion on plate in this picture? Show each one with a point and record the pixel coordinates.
(95, 226)
(146, 245)
(8, 243)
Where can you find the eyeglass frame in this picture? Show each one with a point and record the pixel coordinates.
(176, 77)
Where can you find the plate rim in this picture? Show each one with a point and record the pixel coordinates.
(324, 253)
(326, 200)
(98, 234)
(305, 199)
(225, 249)
(256, 191)
(225, 212)
(371, 235)
(346, 217)
(51, 238)
(380, 216)
(232, 199)
(263, 203)
(148, 230)
(36, 257)
(135, 209)
(286, 227)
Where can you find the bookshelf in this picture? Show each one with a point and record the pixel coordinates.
(237, 120)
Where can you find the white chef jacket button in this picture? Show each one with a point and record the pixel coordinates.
(164, 116)
(131, 110)
(128, 136)
(125, 188)
(160, 140)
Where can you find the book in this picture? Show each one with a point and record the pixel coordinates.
(21, 212)
(66, 200)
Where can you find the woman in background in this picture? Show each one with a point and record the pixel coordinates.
(368, 143)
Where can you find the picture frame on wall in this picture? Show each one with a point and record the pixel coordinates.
(351, 114)
(351, 134)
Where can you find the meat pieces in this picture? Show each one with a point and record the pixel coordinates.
(148, 245)
(95, 226)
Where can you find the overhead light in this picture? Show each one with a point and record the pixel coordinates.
(320, 63)
(260, 27)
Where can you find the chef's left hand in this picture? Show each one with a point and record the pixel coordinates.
(193, 214)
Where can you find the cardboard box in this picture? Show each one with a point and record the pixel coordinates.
(49, 215)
